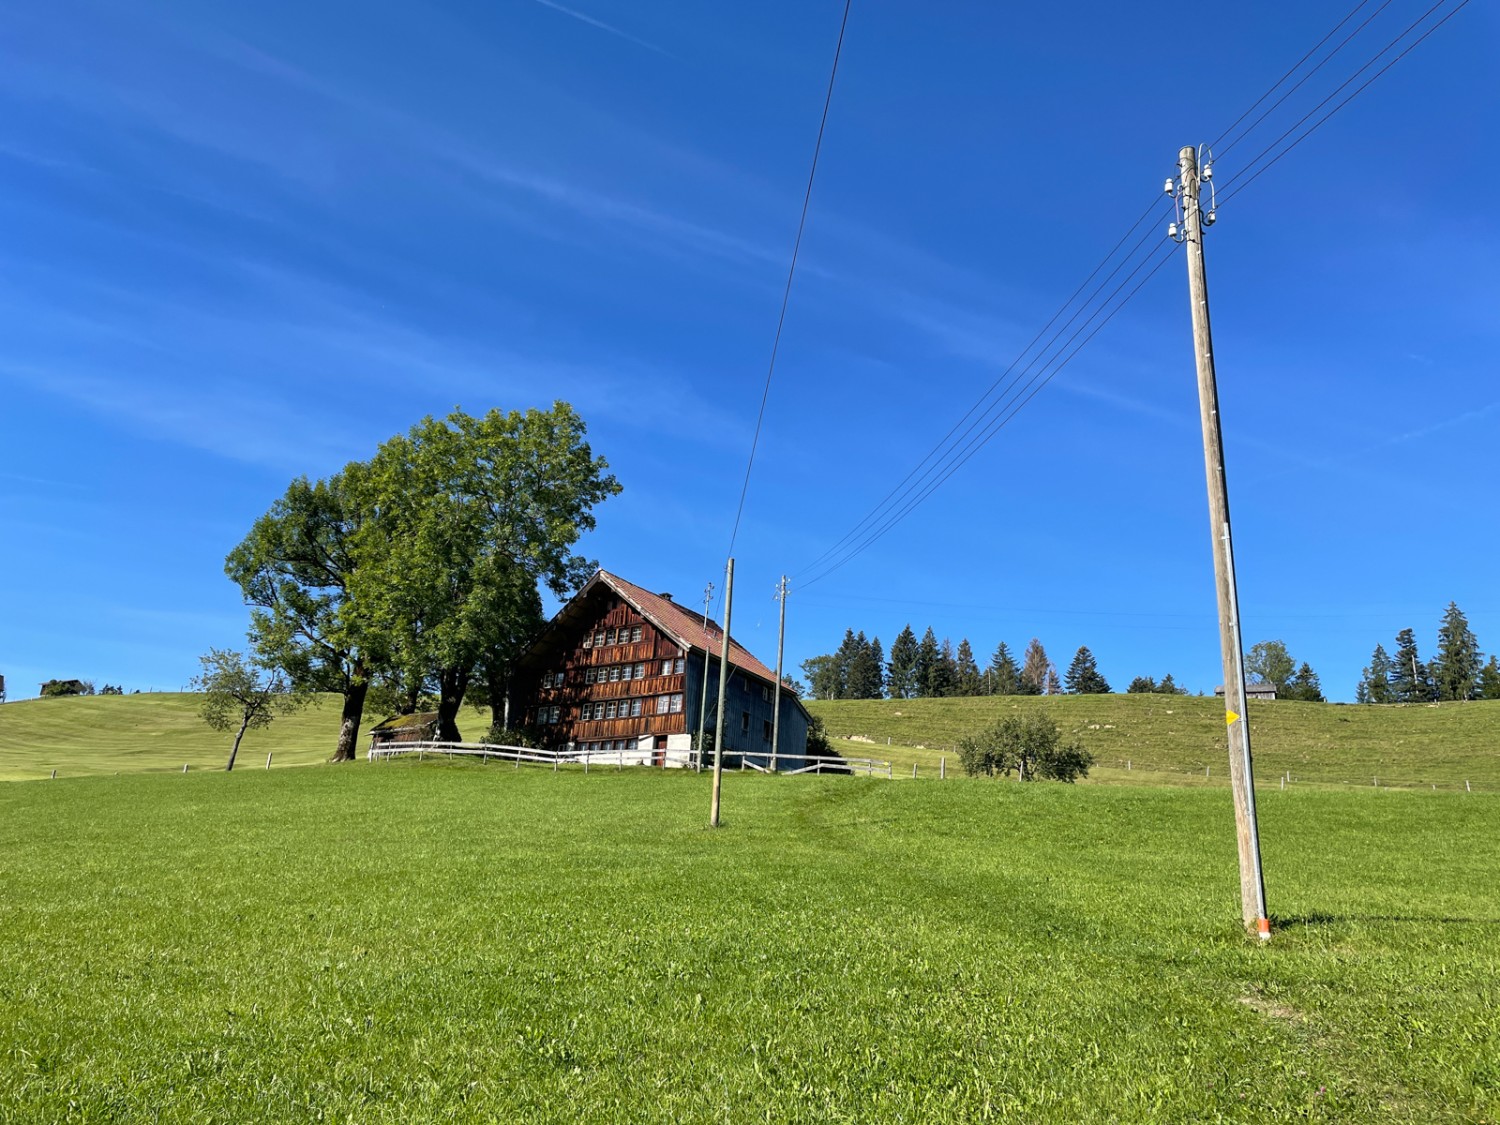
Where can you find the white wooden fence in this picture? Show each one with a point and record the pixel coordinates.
(679, 759)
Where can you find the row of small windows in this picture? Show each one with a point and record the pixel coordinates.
(616, 709)
(617, 672)
(626, 634)
(608, 746)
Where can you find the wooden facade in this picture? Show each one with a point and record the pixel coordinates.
(618, 661)
(621, 670)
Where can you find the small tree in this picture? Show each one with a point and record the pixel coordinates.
(1003, 676)
(1304, 685)
(1142, 685)
(237, 693)
(1489, 680)
(1028, 744)
(1375, 682)
(1168, 686)
(1083, 676)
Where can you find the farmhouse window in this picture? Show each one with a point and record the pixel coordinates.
(599, 639)
(635, 633)
(590, 675)
(614, 674)
(676, 703)
(679, 665)
(745, 721)
(765, 693)
(609, 709)
(663, 704)
(640, 671)
(765, 730)
(635, 708)
(666, 667)
(588, 640)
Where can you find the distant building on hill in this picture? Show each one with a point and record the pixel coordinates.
(64, 687)
(1252, 691)
(621, 670)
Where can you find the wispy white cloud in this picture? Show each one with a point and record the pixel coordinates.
(602, 26)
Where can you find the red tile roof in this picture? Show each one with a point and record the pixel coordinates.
(688, 627)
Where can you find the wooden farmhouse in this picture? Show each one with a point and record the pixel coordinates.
(621, 670)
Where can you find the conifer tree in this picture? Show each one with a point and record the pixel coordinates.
(942, 680)
(1034, 669)
(901, 669)
(927, 658)
(968, 671)
(1489, 680)
(1411, 680)
(862, 676)
(1304, 685)
(1003, 676)
(1456, 669)
(1083, 676)
(1141, 685)
(1168, 686)
(1375, 680)
(877, 657)
(1051, 685)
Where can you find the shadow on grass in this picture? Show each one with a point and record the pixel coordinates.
(1317, 918)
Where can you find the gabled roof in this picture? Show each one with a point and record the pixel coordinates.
(689, 629)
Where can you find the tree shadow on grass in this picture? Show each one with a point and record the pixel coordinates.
(1319, 918)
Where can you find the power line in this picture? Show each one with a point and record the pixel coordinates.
(791, 272)
(1239, 183)
(874, 513)
(1030, 391)
(1326, 59)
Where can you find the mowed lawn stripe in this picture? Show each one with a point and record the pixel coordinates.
(454, 942)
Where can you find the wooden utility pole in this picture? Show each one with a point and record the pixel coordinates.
(1236, 717)
(776, 691)
(713, 808)
(708, 601)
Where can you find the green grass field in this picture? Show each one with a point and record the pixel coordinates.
(1170, 739)
(454, 942)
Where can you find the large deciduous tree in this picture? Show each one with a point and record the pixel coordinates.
(468, 515)
(294, 569)
(1270, 663)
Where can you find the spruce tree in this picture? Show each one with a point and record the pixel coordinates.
(1034, 669)
(1051, 685)
(927, 658)
(862, 675)
(843, 662)
(1003, 676)
(1411, 680)
(901, 669)
(1304, 685)
(968, 671)
(1456, 669)
(942, 680)
(1489, 680)
(1141, 685)
(877, 683)
(1083, 676)
(1375, 681)
(1168, 686)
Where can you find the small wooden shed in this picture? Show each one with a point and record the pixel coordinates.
(419, 727)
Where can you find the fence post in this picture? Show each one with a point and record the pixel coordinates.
(1466, 788)
(54, 775)
(268, 761)
(942, 769)
(914, 771)
(184, 767)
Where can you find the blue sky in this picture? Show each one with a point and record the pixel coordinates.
(248, 242)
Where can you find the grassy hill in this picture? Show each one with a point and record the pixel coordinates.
(106, 734)
(1164, 739)
(446, 942)
(1173, 738)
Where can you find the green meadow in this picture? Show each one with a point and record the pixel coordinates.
(457, 942)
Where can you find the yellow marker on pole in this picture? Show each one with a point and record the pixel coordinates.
(1229, 718)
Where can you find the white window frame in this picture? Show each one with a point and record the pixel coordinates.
(676, 705)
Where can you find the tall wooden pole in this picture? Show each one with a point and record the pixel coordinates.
(708, 601)
(776, 691)
(713, 808)
(1236, 717)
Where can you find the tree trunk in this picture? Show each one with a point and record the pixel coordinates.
(452, 683)
(347, 749)
(235, 749)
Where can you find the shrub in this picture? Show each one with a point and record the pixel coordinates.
(1028, 744)
(501, 735)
